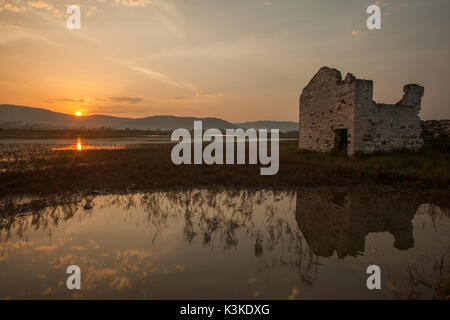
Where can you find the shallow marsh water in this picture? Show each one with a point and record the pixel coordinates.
(225, 244)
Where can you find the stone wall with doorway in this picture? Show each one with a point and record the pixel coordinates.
(326, 104)
(332, 107)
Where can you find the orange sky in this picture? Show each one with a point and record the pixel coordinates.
(236, 60)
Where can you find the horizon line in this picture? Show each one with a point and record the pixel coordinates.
(132, 118)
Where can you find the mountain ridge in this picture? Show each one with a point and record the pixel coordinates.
(15, 116)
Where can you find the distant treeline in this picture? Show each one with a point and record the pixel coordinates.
(74, 133)
(35, 133)
(42, 127)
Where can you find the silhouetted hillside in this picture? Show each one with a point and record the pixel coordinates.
(284, 126)
(12, 116)
(172, 122)
(20, 116)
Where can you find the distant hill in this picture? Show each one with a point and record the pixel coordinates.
(20, 116)
(284, 126)
(12, 116)
(171, 122)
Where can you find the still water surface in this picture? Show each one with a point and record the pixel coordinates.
(225, 244)
(81, 143)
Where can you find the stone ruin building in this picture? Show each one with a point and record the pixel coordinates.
(340, 114)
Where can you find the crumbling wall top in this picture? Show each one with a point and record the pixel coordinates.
(412, 95)
(328, 77)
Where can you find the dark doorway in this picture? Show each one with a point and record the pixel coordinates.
(340, 140)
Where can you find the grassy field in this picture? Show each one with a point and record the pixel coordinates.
(149, 166)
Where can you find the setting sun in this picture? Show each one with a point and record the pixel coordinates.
(78, 114)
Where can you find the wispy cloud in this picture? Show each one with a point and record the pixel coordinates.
(132, 100)
(236, 48)
(40, 4)
(5, 5)
(357, 33)
(134, 3)
(16, 33)
(57, 9)
(69, 100)
(91, 10)
(383, 4)
(25, 6)
(163, 78)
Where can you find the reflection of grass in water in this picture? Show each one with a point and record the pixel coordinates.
(434, 275)
(210, 218)
(428, 273)
(20, 215)
(436, 213)
(150, 166)
(221, 217)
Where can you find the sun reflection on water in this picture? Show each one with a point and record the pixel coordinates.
(86, 145)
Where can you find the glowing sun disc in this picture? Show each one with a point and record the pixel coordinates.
(78, 114)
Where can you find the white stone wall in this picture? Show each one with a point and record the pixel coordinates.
(328, 103)
(385, 127)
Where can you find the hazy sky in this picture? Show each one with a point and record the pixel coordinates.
(234, 59)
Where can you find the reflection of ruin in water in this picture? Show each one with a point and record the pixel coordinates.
(340, 220)
(289, 230)
(328, 219)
